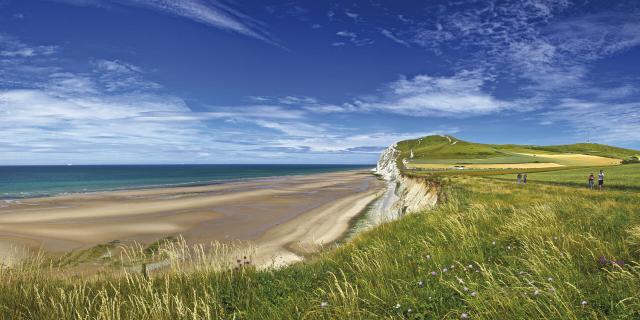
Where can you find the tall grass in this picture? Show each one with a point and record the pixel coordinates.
(492, 250)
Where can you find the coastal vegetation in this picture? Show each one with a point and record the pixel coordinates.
(550, 249)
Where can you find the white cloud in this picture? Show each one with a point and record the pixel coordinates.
(12, 48)
(212, 13)
(599, 121)
(423, 95)
(346, 34)
(393, 37)
(370, 142)
(353, 39)
(352, 15)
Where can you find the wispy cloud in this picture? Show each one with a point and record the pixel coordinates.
(212, 13)
(353, 39)
(599, 121)
(13, 48)
(393, 37)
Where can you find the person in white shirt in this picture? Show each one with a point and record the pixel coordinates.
(601, 180)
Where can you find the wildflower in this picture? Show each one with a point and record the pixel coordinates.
(555, 238)
(552, 289)
(620, 263)
(420, 284)
(509, 247)
(324, 304)
(451, 267)
(473, 294)
(603, 260)
(493, 243)
(470, 266)
(550, 279)
(537, 292)
(584, 303)
(428, 257)
(521, 273)
(397, 306)
(409, 310)
(464, 316)
(445, 270)
(433, 273)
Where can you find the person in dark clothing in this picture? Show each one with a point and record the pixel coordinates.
(591, 180)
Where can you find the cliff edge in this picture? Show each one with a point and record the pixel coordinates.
(404, 194)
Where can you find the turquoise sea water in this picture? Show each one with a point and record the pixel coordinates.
(36, 181)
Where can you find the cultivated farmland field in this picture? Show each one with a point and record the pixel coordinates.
(447, 152)
(619, 177)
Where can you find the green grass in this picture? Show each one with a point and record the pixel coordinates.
(544, 263)
(590, 149)
(448, 149)
(618, 177)
(490, 160)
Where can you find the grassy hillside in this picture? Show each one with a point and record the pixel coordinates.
(446, 147)
(490, 250)
(439, 150)
(618, 177)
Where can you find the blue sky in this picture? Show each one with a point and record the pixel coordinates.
(211, 81)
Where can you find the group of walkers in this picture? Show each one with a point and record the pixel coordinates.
(522, 179)
(600, 180)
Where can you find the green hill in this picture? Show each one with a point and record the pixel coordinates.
(447, 149)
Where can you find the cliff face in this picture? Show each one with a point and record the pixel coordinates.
(386, 166)
(404, 194)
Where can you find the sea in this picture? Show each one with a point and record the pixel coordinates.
(17, 182)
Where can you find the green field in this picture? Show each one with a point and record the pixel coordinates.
(619, 177)
(439, 150)
(502, 159)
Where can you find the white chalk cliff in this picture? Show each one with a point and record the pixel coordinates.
(404, 194)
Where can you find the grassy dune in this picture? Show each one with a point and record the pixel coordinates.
(490, 250)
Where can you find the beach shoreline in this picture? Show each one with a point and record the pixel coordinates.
(277, 215)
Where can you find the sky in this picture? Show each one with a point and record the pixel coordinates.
(212, 81)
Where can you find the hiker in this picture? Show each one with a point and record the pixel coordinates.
(524, 178)
(591, 179)
(601, 180)
(519, 178)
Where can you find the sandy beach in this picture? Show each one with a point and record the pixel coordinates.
(282, 217)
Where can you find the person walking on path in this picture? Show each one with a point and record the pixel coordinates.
(591, 180)
(524, 179)
(601, 180)
(519, 178)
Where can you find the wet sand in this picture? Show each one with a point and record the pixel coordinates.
(283, 217)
